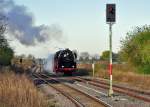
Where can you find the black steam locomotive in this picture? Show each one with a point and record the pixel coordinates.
(65, 61)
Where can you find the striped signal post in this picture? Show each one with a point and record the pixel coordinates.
(93, 67)
(110, 60)
(110, 19)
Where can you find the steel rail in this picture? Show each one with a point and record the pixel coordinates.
(80, 91)
(114, 85)
(73, 100)
(117, 89)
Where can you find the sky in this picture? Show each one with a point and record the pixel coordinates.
(83, 23)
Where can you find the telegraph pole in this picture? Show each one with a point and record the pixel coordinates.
(110, 19)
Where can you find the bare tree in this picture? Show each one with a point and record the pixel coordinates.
(6, 53)
(84, 56)
(3, 41)
(30, 56)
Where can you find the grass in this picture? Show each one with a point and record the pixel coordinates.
(126, 74)
(123, 73)
(19, 91)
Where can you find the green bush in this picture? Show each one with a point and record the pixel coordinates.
(136, 48)
(105, 56)
(6, 54)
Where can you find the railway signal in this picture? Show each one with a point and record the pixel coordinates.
(110, 19)
(110, 12)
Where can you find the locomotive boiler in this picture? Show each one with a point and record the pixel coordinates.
(65, 61)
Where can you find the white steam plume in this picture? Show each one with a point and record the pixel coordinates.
(49, 63)
(21, 25)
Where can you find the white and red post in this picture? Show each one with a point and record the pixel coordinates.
(110, 19)
(110, 60)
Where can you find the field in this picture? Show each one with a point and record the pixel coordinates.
(122, 73)
(19, 91)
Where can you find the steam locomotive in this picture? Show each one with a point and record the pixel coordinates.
(65, 61)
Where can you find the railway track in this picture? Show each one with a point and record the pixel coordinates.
(76, 96)
(141, 95)
(114, 85)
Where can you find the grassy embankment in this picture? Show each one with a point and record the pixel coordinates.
(19, 91)
(122, 73)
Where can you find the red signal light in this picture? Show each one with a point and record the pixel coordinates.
(110, 12)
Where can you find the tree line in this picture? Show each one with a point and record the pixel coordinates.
(6, 52)
(134, 50)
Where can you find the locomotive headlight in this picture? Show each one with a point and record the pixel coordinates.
(62, 66)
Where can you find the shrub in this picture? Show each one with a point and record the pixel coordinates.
(136, 48)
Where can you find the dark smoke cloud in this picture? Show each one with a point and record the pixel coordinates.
(21, 25)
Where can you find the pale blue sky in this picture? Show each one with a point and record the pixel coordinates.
(83, 22)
